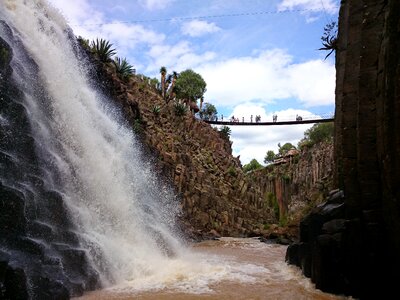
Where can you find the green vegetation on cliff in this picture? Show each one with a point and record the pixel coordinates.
(251, 166)
(190, 86)
(322, 132)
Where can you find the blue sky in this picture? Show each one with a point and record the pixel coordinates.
(257, 64)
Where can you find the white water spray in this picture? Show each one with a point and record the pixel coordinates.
(124, 218)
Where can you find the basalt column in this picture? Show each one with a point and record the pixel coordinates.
(351, 244)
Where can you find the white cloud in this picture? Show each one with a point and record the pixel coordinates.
(197, 28)
(155, 4)
(74, 10)
(330, 6)
(177, 57)
(254, 141)
(86, 21)
(268, 77)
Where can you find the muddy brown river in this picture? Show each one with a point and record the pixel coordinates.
(225, 269)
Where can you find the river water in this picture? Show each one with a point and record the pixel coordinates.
(232, 269)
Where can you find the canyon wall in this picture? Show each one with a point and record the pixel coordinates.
(301, 183)
(351, 244)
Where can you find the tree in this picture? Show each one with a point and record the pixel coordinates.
(318, 133)
(251, 166)
(269, 157)
(285, 148)
(163, 72)
(225, 132)
(174, 77)
(209, 111)
(190, 86)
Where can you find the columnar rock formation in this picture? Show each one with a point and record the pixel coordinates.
(300, 183)
(351, 244)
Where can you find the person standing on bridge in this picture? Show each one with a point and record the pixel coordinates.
(251, 119)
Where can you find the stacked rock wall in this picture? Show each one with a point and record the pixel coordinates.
(302, 182)
(351, 244)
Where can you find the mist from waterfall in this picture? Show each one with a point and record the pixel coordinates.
(122, 215)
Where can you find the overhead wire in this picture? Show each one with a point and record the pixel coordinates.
(205, 17)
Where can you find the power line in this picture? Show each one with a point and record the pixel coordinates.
(323, 6)
(205, 17)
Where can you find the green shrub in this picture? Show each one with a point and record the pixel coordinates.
(137, 126)
(283, 221)
(270, 199)
(142, 86)
(252, 166)
(156, 110)
(232, 171)
(180, 108)
(322, 132)
(225, 132)
(85, 43)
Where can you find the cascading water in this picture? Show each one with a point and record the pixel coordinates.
(87, 159)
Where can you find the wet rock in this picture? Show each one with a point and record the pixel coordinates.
(12, 207)
(15, 284)
(334, 226)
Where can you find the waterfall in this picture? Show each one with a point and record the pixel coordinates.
(124, 219)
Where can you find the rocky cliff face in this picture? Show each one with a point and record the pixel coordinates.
(217, 198)
(351, 244)
(302, 182)
(40, 254)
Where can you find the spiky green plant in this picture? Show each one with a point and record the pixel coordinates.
(103, 49)
(137, 126)
(180, 108)
(156, 110)
(329, 38)
(123, 68)
(85, 43)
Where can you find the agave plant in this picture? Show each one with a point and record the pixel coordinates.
(85, 43)
(103, 49)
(180, 108)
(123, 68)
(137, 126)
(156, 110)
(329, 39)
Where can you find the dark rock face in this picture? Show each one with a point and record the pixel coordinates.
(355, 247)
(40, 254)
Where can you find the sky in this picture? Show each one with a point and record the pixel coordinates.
(258, 57)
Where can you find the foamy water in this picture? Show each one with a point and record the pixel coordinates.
(226, 269)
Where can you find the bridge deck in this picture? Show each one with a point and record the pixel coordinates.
(270, 123)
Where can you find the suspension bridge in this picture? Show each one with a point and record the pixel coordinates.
(295, 120)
